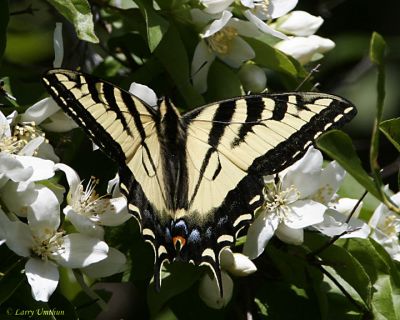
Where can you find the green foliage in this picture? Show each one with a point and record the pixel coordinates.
(79, 14)
(3, 26)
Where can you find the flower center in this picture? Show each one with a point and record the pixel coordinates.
(277, 200)
(221, 41)
(48, 243)
(87, 201)
(391, 226)
(22, 134)
(262, 6)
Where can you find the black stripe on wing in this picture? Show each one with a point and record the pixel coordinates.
(80, 115)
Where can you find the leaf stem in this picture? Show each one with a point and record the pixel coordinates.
(92, 294)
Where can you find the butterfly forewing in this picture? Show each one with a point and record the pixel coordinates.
(120, 124)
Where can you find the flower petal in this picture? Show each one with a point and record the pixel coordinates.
(209, 291)
(114, 263)
(17, 234)
(281, 7)
(5, 130)
(240, 51)
(13, 168)
(299, 23)
(216, 6)
(42, 169)
(201, 63)
(331, 178)
(40, 111)
(262, 26)
(289, 235)
(305, 213)
(83, 224)
(217, 25)
(304, 174)
(144, 93)
(72, 176)
(17, 197)
(43, 278)
(236, 263)
(335, 224)
(118, 215)
(80, 251)
(260, 232)
(44, 212)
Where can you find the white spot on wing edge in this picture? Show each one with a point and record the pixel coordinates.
(338, 117)
(347, 110)
(209, 253)
(148, 232)
(161, 249)
(242, 217)
(256, 198)
(225, 237)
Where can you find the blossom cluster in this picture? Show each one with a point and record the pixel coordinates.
(224, 25)
(31, 223)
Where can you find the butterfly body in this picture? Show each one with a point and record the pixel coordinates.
(194, 181)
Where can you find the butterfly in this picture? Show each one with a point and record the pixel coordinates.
(193, 182)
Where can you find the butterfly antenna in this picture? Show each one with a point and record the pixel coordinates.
(312, 71)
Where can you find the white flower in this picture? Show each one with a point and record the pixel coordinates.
(22, 139)
(215, 6)
(234, 263)
(385, 226)
(305, 49)
(221, 38)
(114, 263)
(209, 291)
(269, 9)
(299, 23)
(49, 115)
(260, 10)
(17, 177)
(87, 211)
(335, 223)
(144, 93)
(293, 202)
(46, 247)
(253, 78)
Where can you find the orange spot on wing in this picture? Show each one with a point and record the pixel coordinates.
(180, 239)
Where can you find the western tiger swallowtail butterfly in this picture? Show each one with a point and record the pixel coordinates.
(194, 181)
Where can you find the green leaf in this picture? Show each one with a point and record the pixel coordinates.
(337, 145)
(271, 58)
(391, 129)
(79, 14)
(156, 26)
(377, 49)
(172, 54)
(220, 73)
(345, 265)
(4, 17)
(178, 278)
(11, 280)
(383, 303)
